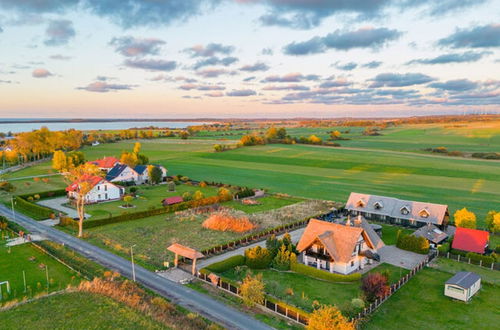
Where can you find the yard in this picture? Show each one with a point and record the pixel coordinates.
(422, 304)
(33, 262)
(390, 233)
(301, 291)
(76, 310)
(264, 204)
(453, 266)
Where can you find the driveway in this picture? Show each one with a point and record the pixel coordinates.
(400, 258)
(57, 204)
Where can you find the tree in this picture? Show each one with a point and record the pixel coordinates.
(60, 161)
(184, 135)
(76, 158)
(142, 159)
(313, 139)
(198, 195)
(272, 133)
(129, 158)
(252, 290)
(281, 133)
(155, 174)
(258, 257)
(137, 148)
(128, 199)
(284, 258)
(493, 221)
(335, 135)
(81, 176)
(225, 194)
(329, 318)
(465, 219)
(374, 285)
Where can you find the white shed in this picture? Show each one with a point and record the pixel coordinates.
(462, 286)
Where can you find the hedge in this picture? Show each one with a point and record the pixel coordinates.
(46, 194)
(33, 210)
(323, 275)
(479, 257)
(226, 264)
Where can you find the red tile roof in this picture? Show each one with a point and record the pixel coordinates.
(173, 200)
(92, 179)
(106, 162)
(471, 240)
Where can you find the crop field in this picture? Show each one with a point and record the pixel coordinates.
(32, 261)
(421, 302)
(75, 310)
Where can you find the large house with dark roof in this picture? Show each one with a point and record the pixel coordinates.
(398, 211)
(139, 174)
(102, 190)
(337, 248)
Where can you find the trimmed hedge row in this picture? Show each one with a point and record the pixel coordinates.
(479, 257)
(226, 264)
(46, 194)
(33, 210)
(321, 274)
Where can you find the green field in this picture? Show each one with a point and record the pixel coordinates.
(16, 259)
(452, 267)
(421, 304)
(76, 310)
(265, 204)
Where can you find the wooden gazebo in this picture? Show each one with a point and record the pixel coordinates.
(185, 252)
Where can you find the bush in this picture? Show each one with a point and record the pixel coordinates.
(321, 274)
(445, 248)
(7, 186)
(258, 257)
(223, 221)
(412, 243)
(284, 258)
(35, 211)
(244, 192)
(479, 257)
(226, 264)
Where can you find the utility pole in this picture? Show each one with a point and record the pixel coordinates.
(47, 274)
(132, 257)
(13, 212)
(24, 280)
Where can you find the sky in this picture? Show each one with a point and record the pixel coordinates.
(248, 58)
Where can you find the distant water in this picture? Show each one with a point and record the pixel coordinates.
(111, 125)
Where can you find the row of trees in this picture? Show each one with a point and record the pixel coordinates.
(467, 219)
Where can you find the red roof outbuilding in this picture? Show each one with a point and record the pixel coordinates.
(106, 162)
(471, 240)
(172, 200)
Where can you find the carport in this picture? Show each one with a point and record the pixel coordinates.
(186, 252)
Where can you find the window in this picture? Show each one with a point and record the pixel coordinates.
(424, 213)
(352, 263)
(454, 288)
(99, 196)
(98, 187)
(405, 210)
(105, 187)
(106, 196)
(378, 206)
(360, 203)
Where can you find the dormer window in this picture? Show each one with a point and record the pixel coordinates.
(360, 203)
(405, 210)
(378, 205)
(424, 213)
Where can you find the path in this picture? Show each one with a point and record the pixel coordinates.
(33, 176)
(19, 240)
(176, 293)
(21, 166)
(390, 254)
(57, 204)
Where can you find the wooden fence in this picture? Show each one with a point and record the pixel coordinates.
(460, 258)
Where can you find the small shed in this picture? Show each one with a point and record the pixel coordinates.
(433, 234)
(185, 252)
(462, 286)
(172, 200)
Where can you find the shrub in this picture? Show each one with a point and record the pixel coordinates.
(479, 257)
(203, 184)
(187, 196)
(225, 194)
(444, 248)
(223, 221)
(244, 192)
(329, 317)
(133, 190)
(36, 196)
(226, 264)
(412, 243)
(374, 286)
(257, 257)
(321, 274)
(252, 290)
(7, 186)
(284, 258)
(198, 195)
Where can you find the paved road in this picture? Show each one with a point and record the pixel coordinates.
(176, 293)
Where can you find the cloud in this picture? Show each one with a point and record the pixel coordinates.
(41, 73)
(441, 7)
(249, 78)
(214, 60)
(346, 66)
(59, 32)
(451, 58)
(267, 51)
(335, 83)
(291, 87)
(477, 37)
(151, 64)
(60, 57)
(134, 47)
(343, 40)
(241, 92)
(1, 30)
(189, 87)
(258, 66)
(372, 65)
(209, 50)
(291, 77)
(400, 80)
(214, 73)
(215, 94)
(104, 87)
(37, 6)
(455, 85)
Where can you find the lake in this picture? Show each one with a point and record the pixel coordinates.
(80, 125)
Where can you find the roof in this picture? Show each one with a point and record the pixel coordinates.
(106, 162)
(431, 233)
(92, 179)
(173, 200)
(140, 169)
(339, 240)
(471, 240)
(393, 207)
(116, 171)
(464, 279)
(374, 237)
(185, 251)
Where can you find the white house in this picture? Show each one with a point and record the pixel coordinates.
(462, 286)
(102, 190)
(138, 175)
(335, 247)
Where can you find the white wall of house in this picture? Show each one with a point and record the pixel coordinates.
(127, 175)
(460, 293)
(101, 192)
(142, 178)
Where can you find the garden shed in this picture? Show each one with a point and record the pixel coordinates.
(462, 286)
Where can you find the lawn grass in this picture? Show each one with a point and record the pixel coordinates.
(390, 233)
(15, 260)
(421, 304)
(265, 203)
(453, 266)
(76, 310)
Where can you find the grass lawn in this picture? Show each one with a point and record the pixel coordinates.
(147, 197)
(76, 310)
(266, 203)
(421, 304)
(15, 260)
(307, 289)
(453, 266)
(390, 233)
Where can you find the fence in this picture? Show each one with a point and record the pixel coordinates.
(270, 304)
(460, 258)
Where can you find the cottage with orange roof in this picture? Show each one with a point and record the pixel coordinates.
(336, 248)
(102, 190)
